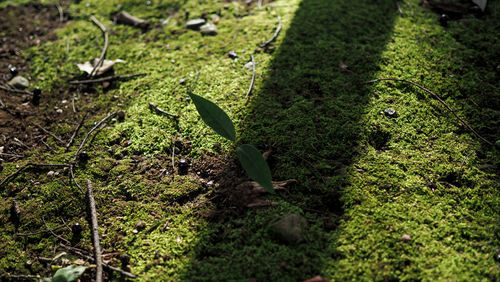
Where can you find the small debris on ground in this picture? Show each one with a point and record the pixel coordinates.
(208, 29)
(290, 228)
(195, 24)
(19, 82)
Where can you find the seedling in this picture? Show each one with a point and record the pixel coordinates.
(250, 157)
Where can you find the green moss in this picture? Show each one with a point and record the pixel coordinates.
(364, 179)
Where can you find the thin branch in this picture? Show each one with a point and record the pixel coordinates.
(276, 32)
(95, 232)
(12, 155)
(72, 175)
(107, 78)
(253, 78)
(107, 266)
(399, 8)
(61, 13)
(55, 235)
(161, 111)
(48, 146)
(39, 232)
(15, 90)
(90, 132)
(195, 80)
(21, 169)
(104, 49)
(51, 134)
(437, 98)
(75, 132)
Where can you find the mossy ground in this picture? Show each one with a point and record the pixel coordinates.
(364, 179)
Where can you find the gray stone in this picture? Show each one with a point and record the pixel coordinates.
(195, 23)
(208, 29)
(19, 82)
(290, 228)
(390, 112)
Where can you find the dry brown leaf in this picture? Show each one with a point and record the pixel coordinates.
(107, 65)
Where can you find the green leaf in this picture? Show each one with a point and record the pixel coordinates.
(68, 273)
(214, 117)
(255, 166)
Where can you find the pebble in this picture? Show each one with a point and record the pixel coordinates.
(140, 225)
(208, 29)
(405, 238)
(195, 23)
(290, 228)
(50, 173)
(497, 256)
(19, 82)
(232, 54)
(59, 111)
(390, 112)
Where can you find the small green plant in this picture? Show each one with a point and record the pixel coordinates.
(250, 157)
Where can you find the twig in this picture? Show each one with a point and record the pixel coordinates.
(73, 104)
(399, 8)
(15, 90)
(48, 146)
(465, 159)
(104, 49)
(253, 78)
(81, 254)
(50, 133)
(16, 173)
(20, 276)
(55, 235)
(40, 232)
(95, 232)
(61, 13)
(278, 29)
(108, 78)
(11, 155)
(173, 156)
(75, 132)
(195, 80)
(20, 142)
(160, 111)
(437, 98)
(259, 4)
(90, 132)
(72, 175)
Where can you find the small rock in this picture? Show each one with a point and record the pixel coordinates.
(195, 23)
(390, 112)
(290, 228)
(497, 256)
(208, 29)
(232, 54)
(135, 231)
(19, 82)
(248, 65)
(59, 111)
(140, 225)
(405, 238)
(50, 173)
(120, 115)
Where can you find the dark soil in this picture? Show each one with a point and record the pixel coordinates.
(22, 27)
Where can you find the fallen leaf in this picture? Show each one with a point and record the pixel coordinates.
(106, 66)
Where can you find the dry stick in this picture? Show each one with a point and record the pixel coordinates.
(399, 8)
(15, 90)
(11, 155)
(61, 13)
(48, 146)
(195, 80)
(278, 29)
(437, 98)
(40, 232)
(72, 175)
(81, 254)
(14, 174)
(259, 4)
(90, 132)
(104, 49)
(253, 78)
(75, 132)
(161, 111)
(107, 78)
(55, 235)
(50, 133)
(95, 232)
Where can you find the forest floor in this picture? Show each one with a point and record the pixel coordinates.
(388, 183)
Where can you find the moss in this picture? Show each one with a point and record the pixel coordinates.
(364, 179)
